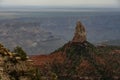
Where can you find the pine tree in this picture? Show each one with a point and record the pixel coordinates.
(20, 52)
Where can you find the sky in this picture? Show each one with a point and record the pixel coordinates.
(66, 3)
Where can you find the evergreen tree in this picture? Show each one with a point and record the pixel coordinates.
(20, 52)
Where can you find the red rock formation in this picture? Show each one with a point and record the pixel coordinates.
(81, 58)
(80, 33)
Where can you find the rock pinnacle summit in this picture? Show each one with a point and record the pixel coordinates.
(80, 33)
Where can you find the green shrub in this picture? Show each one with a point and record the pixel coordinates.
(20, 52)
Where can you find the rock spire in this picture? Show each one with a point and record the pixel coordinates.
(80, 33)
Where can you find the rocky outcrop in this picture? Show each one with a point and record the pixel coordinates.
(80, 33)
(80, 60)
(12, 67)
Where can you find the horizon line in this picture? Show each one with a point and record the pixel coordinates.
(27, 6)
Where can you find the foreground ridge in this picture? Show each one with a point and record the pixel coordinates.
(12, 67)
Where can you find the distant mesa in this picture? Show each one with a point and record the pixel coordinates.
(80, 33)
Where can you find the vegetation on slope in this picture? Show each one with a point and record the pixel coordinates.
(85, 60)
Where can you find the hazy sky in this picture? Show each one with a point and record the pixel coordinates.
(69, 3)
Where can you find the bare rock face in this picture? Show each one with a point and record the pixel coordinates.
(80, 33)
